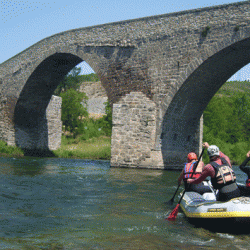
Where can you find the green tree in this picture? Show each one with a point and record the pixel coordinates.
(217, 116)
(89, 78)
(71, 81)
(73, 109)
(242, 111)
(107, 119)
(227, 119)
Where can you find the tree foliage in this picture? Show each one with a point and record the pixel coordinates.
(70, 81)
(228, 118)
(88, 78)
(106, 120)
(73, 110)
(73, 80)
(227, 122)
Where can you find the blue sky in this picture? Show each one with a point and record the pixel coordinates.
(24, 23)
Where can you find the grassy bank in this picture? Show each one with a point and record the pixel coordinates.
(100, 149)
(94, 148)
(10, 151)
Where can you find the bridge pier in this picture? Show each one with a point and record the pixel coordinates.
(142, 139)
(45, 136)
(134, 133)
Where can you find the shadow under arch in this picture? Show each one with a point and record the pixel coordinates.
(31, 124)
(181, 130)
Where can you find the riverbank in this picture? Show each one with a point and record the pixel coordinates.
(99, 148)
(96, 148)
(10, 151)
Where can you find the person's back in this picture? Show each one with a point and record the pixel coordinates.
(189, 174)
(224, 178)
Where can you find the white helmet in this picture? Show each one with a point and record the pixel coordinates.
(213, 150)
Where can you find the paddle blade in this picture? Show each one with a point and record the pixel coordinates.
(174, 213)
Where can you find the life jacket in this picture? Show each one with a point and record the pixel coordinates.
(224, 174)
(188, 170)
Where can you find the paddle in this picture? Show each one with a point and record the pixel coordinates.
(174, 213)
(170, 202)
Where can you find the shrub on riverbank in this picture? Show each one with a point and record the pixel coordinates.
(94, 148)
(10, 151)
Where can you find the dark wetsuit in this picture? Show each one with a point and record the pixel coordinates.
(199, 188)
(244, 168)
(245, 191)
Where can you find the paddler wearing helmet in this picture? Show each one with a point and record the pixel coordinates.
(222, 175)
(186, 174)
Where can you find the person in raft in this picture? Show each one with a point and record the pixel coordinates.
(246, 169)
(222, 175)
(186, 174)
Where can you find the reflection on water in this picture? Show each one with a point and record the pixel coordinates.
(84, 204)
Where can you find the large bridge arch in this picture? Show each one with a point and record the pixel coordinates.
(31, 122)
(37, 127)
(182, 128)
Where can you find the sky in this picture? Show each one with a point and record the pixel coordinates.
(24, 23)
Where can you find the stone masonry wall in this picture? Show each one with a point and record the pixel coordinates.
(54, 123)
(47, 135)
(97, 97)
(133, 133)
(5, 133)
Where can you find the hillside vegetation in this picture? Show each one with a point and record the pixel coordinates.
(227, 120)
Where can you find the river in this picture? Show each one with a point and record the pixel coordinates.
(84, 204)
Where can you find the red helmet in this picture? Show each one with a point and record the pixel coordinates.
(191, 156)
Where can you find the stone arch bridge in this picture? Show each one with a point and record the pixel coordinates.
(159, 73)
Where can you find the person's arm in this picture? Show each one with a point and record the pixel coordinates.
(243, 166)
(244, 163)
(201, 165)
(226, 157)
(207, 171)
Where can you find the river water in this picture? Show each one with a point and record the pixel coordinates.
(84, 204)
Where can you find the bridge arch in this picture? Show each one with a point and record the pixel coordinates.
(182, 121)
(31, 124)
